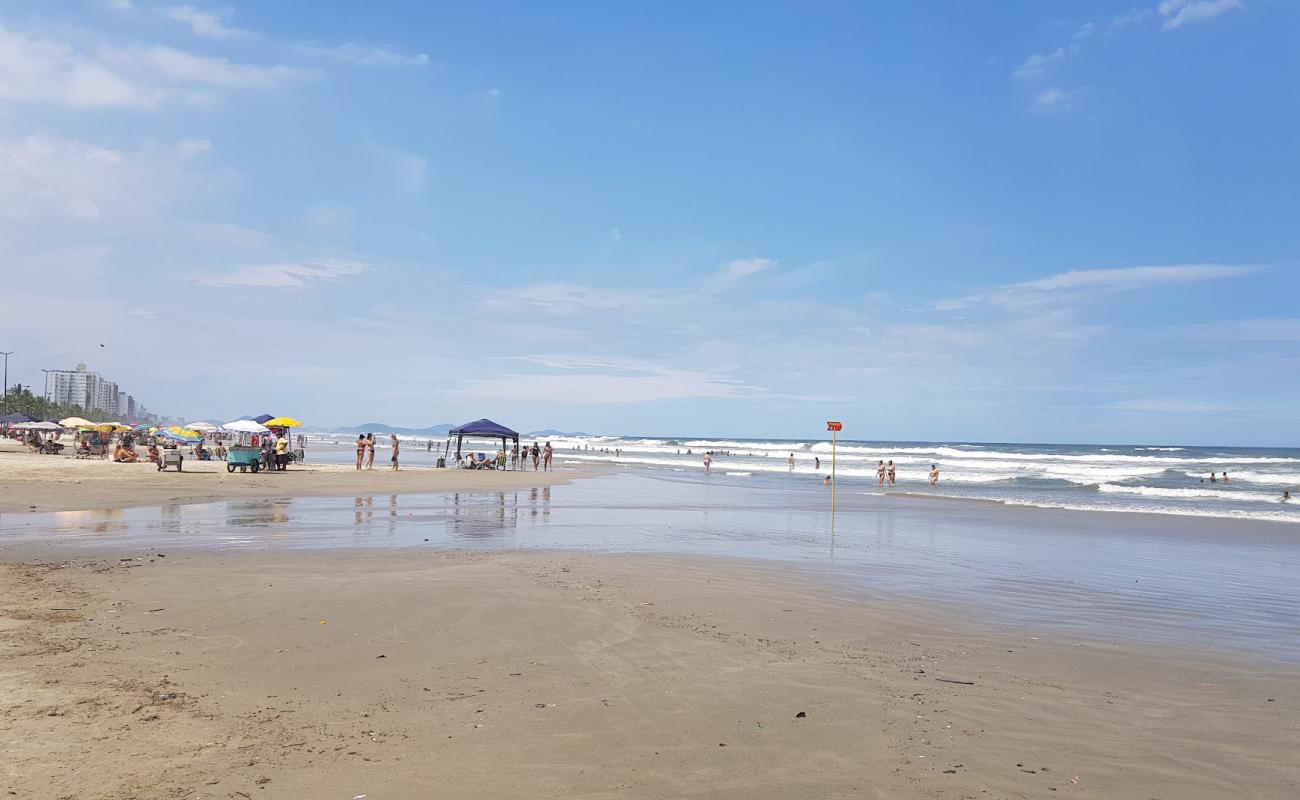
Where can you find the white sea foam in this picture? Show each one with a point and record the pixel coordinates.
(1191, 494)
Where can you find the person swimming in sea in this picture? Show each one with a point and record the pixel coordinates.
(1286, 495)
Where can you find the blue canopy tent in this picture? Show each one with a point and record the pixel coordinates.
(14, 418)
(481, 427)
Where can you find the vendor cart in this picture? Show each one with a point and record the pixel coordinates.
(243, 457)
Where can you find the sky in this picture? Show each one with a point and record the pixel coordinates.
(1018, 221)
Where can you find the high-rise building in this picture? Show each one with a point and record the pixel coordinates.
(88, 390)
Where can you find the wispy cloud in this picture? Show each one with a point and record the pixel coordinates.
(1166, 406)
(1036, 64)
(1131, 17)
(736, 271)
(48, 71)
(1266, 330)
(1034, 292)
(1178, 13)
(208, 24)
(1055, 98)
(410, 170)
(363, 54)
(595, 380)
(286, 275)
(46, 177)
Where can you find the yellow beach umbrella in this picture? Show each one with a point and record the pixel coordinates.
(282, 422)
(76, 422)
(179, 431)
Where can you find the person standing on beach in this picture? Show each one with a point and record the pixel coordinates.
(547, 455)
(396, 447)
(934, 475)
(791, 462)
(536, 453)
(370, 451)
(708, 461)
(893, 474)
(880, 473)
(361, 449)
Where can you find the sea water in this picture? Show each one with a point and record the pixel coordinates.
(1154, 479)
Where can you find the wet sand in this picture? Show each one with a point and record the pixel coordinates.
(409, 674)
(31, 482)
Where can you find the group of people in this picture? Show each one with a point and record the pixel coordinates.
(366, 450)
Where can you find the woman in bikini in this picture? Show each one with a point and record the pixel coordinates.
(361, 448)
(370, 451)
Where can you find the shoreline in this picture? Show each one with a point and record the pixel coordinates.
(34, 483)
(316, 673)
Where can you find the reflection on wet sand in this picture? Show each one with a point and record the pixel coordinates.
(1146, 576)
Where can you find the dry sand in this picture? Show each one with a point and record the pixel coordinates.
(422, 674)
(30, 482)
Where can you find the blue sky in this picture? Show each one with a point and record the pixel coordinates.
(1021, 221)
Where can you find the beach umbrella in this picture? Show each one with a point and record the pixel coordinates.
(76, 422)
(16, 417)
(281, 422)
(202, 427)
(186, 432)
(245, 426)
(261, 419)
(179, 435)
(39, 426)
(143, 426)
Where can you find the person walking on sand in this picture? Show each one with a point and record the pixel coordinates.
(547, 454)
(396, 447)
(880, 473)
(893, 474)
(934, 475)
(370, 451)
(361, 449)
(708, 461)
(536, 453)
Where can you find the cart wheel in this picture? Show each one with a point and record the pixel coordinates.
(230, 468)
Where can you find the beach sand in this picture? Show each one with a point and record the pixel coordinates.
(30, 482)
(414, 674)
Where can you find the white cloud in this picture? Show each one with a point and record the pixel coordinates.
(48, 177)
(569, 298)
(736, 271)
(286, 275)
(44, 70)
(1133, 277)
(1178, 13)
(1270, 330)
(492, 93)
(208, 24)
(595, 380)
(118, 5)
(409, 170)
(1130, 17)
(1031, 293)
(363, 54)
(1162, 406)
(1054, 97)
(1036, 64)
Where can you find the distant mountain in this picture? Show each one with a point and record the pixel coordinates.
(554, 432)
(379, 427)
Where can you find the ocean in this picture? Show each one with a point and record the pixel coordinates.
(1113, 478)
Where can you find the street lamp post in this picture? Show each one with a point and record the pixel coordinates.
(6, 394)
